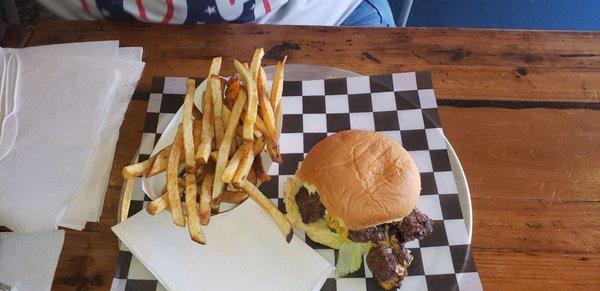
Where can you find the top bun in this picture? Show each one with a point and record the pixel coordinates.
(363, 178)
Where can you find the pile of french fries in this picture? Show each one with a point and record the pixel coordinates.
(220, 149)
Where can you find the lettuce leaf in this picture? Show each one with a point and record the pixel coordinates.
(351, 257)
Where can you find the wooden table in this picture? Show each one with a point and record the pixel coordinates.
(521, 109)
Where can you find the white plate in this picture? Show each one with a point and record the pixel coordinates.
(152, 186)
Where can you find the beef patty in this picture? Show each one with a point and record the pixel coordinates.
(414, 226)
(310, 206)
(388, 267)
(372, 234)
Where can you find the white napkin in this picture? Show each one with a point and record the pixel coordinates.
(108, 49)
(245, 251)
(59, 105)
(68, 105)
(86, 204)
(28, 261)
(131, 53)
(61, 99)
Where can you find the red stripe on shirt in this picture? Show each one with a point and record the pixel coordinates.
(170, 11)
(267, 6)
(85, 6)
(141, 10)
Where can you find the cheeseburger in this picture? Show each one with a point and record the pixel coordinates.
(356, 191)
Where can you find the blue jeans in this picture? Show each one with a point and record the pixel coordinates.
(375, 13)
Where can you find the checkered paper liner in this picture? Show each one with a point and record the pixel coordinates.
(401, 106)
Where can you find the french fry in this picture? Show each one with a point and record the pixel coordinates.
(126, 200)
(208, 118)
(214, 155)
(188, 128)
(259, 146)
(273, 150)
(217, 98)
(233, 164)
(260, 126)
(172, 186)
(266, 110)
(259, 53)
(277, 87)
(257, 133)
(259, 170)
(232, 91)
(271, 209)
(205, 198)
(252, 177)
(225, 113)
(233, 197)
(252, 102)
(228, 139)
(158, 205)
(245, 164)
(161, 158)
(137, 169)
(193, 221)
(196, 113)
(161, 203)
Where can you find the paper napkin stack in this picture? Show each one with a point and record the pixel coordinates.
(61, 107)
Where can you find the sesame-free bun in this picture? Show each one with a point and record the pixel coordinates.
(363, 178)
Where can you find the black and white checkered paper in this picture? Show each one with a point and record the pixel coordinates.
(401, 106)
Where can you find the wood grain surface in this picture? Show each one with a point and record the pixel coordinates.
(521, 109)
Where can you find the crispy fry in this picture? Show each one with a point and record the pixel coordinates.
(228, 139)
(188, 129)
(138, 169)
(245, 164)
(252, 103)
(256, 62)
(205, 199)
(214, 155)
(208, 118)
(193, 221)
(196, 113)
(233, 197)
(126, 200)
(271, 209)
(259, 146)
(208, 128)
(161, 203)
(259, 170)
(260, 126)
(190, 165)
(273, 150)
(172, 186)
(232, 91)
(225, 113)
(232, 165)
(266, 110)
(161, 158)
(217, 98)
(252, 177)
(277, 87)
(158, 205)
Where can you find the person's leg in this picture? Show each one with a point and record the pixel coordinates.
(371, 13)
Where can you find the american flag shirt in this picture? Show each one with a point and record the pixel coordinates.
(164, 11)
